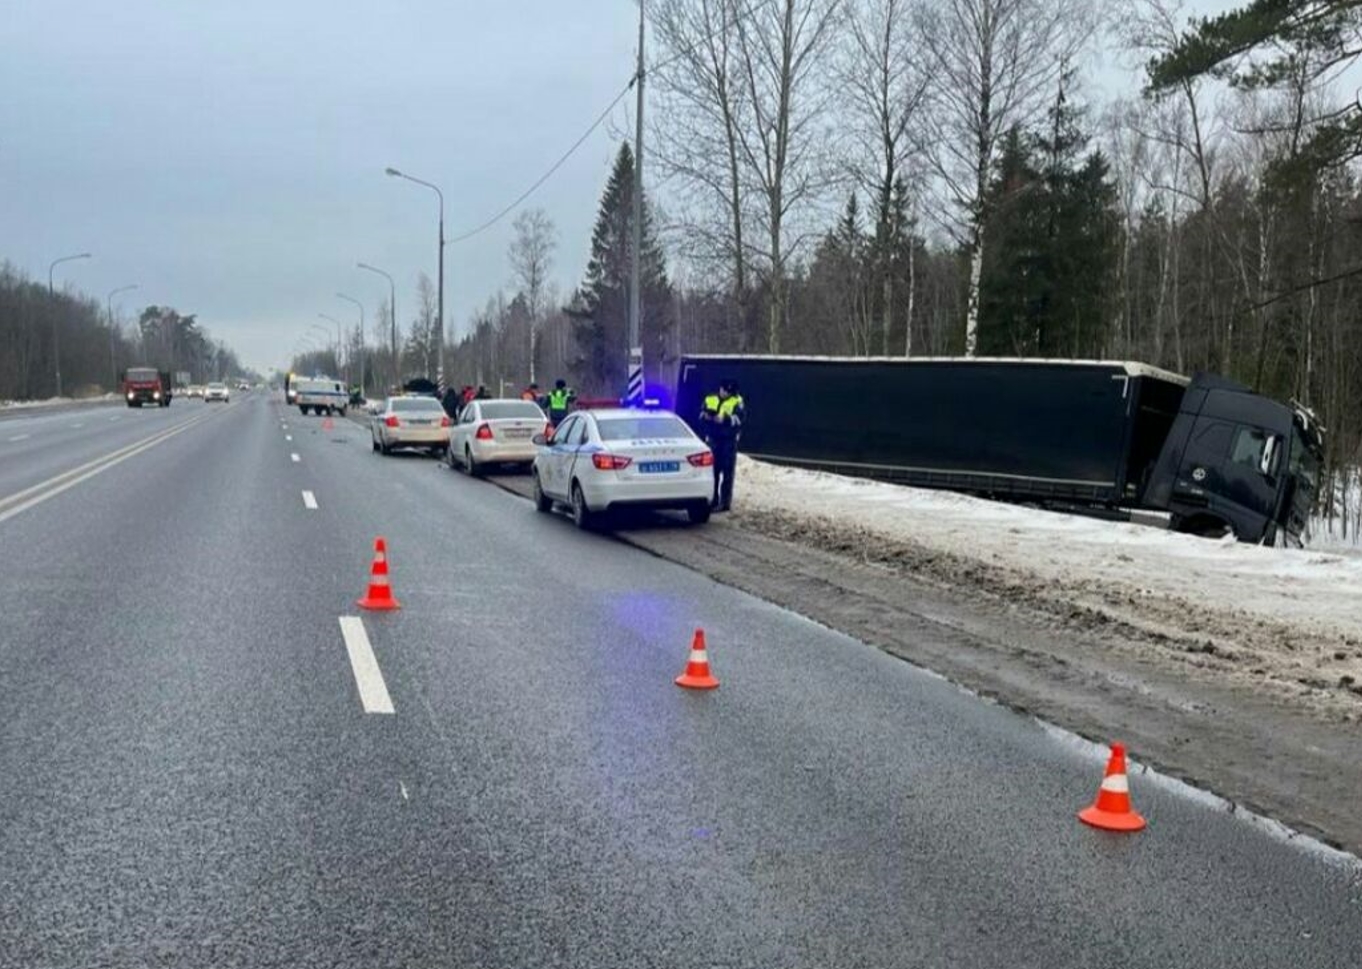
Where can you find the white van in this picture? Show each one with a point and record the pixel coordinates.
(321, 395)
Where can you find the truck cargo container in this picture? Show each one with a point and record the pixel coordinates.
(1114, 439)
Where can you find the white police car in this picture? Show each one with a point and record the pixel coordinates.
(601, 460)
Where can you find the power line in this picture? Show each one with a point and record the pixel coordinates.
(553, 168)
(744, 14)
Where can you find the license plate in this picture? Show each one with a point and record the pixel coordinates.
(659, 467)
(519, 432)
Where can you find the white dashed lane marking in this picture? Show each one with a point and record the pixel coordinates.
(373, 692)
(309, 501)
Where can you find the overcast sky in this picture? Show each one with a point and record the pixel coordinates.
(227, 155)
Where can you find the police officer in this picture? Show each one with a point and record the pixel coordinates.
(722, 418)
(560, 399)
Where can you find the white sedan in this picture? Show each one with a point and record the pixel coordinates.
(495, 432)
(601, 460)
(216, 391)
(410, 422)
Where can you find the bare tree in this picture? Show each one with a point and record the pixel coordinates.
(995, 64)
(531, 256)
(883, 74)
(782, 48)
(703, 107)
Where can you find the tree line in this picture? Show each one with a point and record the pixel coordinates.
(939, 177)
(94, 344)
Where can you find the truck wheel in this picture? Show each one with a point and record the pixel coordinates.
(542, 502)
(582, 516)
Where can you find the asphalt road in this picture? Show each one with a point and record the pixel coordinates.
(188, 776)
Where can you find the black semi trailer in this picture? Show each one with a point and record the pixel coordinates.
(1121, 440)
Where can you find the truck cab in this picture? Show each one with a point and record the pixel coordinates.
(1237, 463)
(146, 385)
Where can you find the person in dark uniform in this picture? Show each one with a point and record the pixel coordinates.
(721, 418)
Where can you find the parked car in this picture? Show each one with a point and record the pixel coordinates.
(411, 422)
(492, 432)
(598, 461)
(216, 391)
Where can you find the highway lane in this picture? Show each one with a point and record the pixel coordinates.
(36, 447)
(196, 782)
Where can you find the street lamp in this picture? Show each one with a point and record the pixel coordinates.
(51, 298)
(113, 363)
(351, 299)
(325, 330)
(392, 316)
(440, 311)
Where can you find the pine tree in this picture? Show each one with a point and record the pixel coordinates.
(599, 309)
(1047, 284)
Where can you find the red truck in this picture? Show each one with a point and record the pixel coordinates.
(146, 385)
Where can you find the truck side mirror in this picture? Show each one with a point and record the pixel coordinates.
(1268, 463)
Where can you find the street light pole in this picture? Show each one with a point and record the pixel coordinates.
(52, 299)
(440, 311)
(113, 362)
(392, 316)
(351, 299)
(322, 329)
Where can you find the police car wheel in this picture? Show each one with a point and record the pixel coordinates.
(581, 514)
(542, 502)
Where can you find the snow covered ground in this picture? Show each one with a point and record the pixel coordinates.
(1290, 615)
(8, 405)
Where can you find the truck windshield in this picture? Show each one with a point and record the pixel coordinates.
(142, 374)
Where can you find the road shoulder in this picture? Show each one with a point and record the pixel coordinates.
(1077, 670)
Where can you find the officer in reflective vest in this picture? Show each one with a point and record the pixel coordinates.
(722, 418)
(560, 399)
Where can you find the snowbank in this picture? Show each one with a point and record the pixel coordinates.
(1290, 614)
(54, 402)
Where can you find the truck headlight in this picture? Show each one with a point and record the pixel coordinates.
(155, 395)
(131, 395)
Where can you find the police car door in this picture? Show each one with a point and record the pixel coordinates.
(560, 456)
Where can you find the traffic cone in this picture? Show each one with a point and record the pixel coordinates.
(1112, 811)
(328, 424)
(380, 594)
(697, 675)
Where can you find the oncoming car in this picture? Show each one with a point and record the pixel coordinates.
(216, 391)
(496, 432)
(414, 422)
(598, 461)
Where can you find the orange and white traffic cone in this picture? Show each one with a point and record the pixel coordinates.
(1112, 811)
(697, 675)
(380, 594)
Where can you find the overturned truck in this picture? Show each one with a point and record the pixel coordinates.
(1112, 439)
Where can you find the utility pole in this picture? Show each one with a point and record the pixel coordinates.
(634, 388)
(113, 362)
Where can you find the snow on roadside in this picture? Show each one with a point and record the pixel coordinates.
(1292, 614)
(54, 402)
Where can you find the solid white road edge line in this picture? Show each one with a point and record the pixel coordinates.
(69, 479)
(309, 501)
(373, 692)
